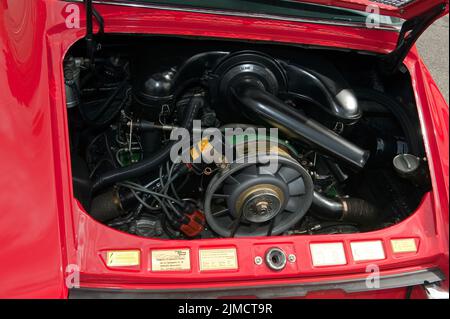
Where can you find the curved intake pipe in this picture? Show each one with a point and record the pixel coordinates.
(271, 110)
(352, 210)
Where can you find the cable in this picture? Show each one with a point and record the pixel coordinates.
(134, 186)
(142, 201)
(138, 187)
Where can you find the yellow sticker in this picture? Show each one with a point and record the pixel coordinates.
(407, 245)
(171, 260)
(123, 258)
(201, 147)
(218, 259)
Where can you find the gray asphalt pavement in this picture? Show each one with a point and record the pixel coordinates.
(433, 45)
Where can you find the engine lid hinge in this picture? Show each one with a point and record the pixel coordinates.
(411, 31)
(91, 13)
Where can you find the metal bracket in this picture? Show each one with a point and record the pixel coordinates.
(91, 13)
(410, 32)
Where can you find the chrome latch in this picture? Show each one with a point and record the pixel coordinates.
(434, 291)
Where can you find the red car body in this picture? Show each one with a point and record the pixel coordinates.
(43, 229)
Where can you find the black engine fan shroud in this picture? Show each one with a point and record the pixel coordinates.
(289, 176)
(239, 66)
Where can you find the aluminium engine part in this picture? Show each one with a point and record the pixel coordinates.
(265, 195)
(147, 226)
(72, 73)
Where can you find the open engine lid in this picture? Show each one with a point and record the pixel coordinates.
(405, 9)
(418, 15)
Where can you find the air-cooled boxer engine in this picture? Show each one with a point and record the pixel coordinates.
(313, 175)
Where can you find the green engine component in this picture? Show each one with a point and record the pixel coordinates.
(246, 141)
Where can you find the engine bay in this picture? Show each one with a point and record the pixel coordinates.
(177, 138)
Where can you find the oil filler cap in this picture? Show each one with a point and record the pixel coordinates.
(406, 164)
(276, 259)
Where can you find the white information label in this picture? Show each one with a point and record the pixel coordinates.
(218, 259)
(367, 250)
(328, 254)
(171, 260)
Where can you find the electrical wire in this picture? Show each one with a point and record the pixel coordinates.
(156, 196)
(140, 188)
(142, 201)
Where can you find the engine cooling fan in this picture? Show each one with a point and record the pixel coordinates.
(259, 197)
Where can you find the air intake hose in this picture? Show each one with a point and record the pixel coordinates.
(270, 109)
(150, 164)
(352, 210)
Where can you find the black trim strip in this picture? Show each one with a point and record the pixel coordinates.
(124, 3)
(407, 279)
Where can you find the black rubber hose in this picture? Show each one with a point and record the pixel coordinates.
(274, 112)
(327, 208)
(352, 210)
(147, 165)
(106, 206)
